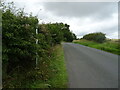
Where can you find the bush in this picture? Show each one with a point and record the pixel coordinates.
(19, 36)
(97, 37)
(19, 40)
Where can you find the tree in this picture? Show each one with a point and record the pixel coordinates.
(97, 37)
(19, 38)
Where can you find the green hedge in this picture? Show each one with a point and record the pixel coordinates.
(19, 38)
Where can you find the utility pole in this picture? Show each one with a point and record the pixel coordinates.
(37, 43)
(36, 50)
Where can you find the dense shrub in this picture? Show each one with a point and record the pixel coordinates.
(19, 38)
(97, 37)
(58, 31)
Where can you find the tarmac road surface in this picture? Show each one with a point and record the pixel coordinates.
(90, 68)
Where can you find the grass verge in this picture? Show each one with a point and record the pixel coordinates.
(56, 71)
(109, 46)
(51, 73)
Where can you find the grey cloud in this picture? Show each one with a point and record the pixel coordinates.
(107, 31)
(81, 33)
(96, 11)
(82, 9)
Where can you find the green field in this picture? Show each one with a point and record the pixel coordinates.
(112, 46)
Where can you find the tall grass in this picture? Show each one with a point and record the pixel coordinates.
(51, 73)
(56, 74)
(109, 45)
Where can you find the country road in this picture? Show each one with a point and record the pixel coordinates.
(90, 68)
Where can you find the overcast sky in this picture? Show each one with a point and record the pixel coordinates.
(83, 17)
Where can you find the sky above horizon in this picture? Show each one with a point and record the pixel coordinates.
(83, 17)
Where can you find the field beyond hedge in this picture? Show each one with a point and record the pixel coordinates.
(112, 46)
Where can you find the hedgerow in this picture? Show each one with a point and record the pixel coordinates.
(19, 48)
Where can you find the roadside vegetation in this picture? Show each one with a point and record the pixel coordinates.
(20, 68)
(98, 40)
(112, 46)
(57, 75)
